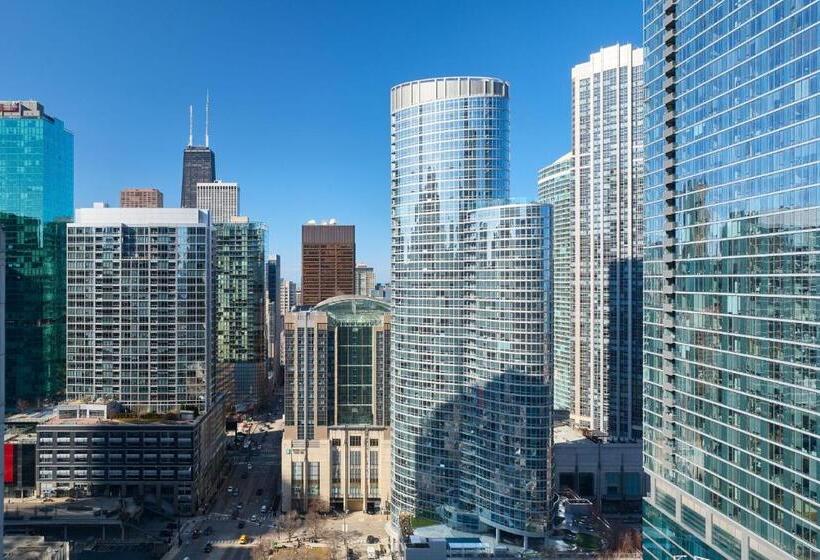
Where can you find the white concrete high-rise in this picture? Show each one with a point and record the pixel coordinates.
(471, 280)
(365, 279)
(220, 198)
(140, 314)
(607, 244)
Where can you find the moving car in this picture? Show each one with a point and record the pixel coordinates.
(243, 539)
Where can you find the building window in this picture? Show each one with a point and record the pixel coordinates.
(313, 479)
(355, 441)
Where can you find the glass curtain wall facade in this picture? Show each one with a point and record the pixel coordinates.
(36, 202)
(198, 166)
(607, 145)
(140, 308)
(240, 312)
(556, 186)
(732, 353)
(461, 371)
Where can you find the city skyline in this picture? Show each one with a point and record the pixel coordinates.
(265, 137)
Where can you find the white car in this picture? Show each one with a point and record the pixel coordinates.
(264, 510)
(253, 518)
(230, 490)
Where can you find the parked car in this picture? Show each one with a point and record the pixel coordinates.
(208, 547)
(240, 525)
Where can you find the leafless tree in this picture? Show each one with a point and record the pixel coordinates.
(314, 520)
(290, 523)
(406, 524)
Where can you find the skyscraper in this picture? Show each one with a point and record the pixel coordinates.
(240, 311)
(273, 283)
(471, 325)
(198, 166)
(731, 424)
(220, 198)
(328, 260)
(365, 280)
(556, 185)
(287, 295)
(140, 198)
(607, 148)
(140, 312)
(36, 200)
(337, 406)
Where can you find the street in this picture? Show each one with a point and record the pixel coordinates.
(254, 476)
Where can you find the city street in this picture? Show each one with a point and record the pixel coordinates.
(254, 476)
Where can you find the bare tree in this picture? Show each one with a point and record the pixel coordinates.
(290, 523)
(314, 520)
(406, 524)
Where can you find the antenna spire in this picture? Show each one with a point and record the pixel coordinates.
(190, 125)
(207, 104)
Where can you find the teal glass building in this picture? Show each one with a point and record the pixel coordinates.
(36, 201)
(732, 279)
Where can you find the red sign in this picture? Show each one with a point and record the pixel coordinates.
(8, 463)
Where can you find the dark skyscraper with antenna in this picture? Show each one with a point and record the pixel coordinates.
(198, 163)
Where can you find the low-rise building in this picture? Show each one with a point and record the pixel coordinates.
(431, 548)
(608, 473)
(336, 443)
(170, 462)
(32, 547)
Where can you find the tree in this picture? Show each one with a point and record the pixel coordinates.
(314, 520)
(406, 524)
(290, 524)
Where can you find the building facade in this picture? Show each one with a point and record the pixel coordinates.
(172, 464)
(328, 261)
(556, 186)
(240, 312)
(140, 307)
(336, 443)
(731, 319)
(220, 198)
(140, 198)
(471, 288)
(36, 200)
(607, 147)
(274, 320)
(365, 280)
(198, 166)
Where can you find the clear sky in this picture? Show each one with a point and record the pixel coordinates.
(299, 92)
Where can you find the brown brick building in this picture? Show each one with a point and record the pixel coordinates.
(328, 261)
(140, 198)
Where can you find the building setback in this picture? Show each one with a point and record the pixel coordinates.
(471, 287)
(336, 444)
(36, 200)
(220, 198)
(328, 261)
(140, 198)
(240, 312)
(140, 312)
(731, 316)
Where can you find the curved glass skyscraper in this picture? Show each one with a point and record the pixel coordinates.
(471, 292)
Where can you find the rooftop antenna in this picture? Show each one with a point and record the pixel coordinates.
(207, 103)
(190, 125)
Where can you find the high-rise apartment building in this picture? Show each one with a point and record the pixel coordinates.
(328, 260)
(287, 295)
(337, 406)
(556, 185)
(140, 198)
(221, 198)
(140, 307)
(273, 283)
(471, 341)
(607, 245)
(240, 311)
(731, 321)
(365, 280)
(36, 201)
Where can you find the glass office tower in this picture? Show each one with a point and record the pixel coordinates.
(240, 311)
(472, 369)
(732, 279)
(36, 201)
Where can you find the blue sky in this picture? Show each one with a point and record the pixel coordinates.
(299, 92)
